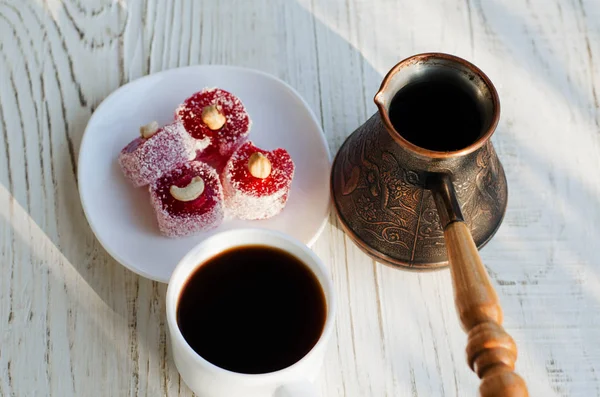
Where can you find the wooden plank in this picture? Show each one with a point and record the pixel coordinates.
(71, 317)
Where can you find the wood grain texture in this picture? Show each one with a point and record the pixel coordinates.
(491, 351)
(73, 322)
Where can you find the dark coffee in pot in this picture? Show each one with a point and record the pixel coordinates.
(436, 115)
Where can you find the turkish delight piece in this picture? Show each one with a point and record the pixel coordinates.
(155, 152)
(218, 121)
(188, 200)
(256, 182)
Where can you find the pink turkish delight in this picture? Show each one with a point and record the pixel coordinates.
(157, 151)
(256, 182)
(218, 121)
(188, 200)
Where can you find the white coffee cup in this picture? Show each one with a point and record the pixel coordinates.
(208, 380)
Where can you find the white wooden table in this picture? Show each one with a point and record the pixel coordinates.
(73, 322)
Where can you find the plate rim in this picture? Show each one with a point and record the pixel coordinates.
(139, 80)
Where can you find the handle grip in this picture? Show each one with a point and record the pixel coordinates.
(491, 351)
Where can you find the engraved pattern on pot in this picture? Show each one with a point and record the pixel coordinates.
(382, 201)
(386, 207)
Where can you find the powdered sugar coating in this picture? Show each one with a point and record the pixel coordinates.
(183, 218)
(216, 146)
(145, 160)
(247, 197)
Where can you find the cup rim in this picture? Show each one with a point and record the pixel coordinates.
(418, 150)
(173, 292)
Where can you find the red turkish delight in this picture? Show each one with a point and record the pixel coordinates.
(188, 200)
(218, 121)
(155, 152)
(256, 182)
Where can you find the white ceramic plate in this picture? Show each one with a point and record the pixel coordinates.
(121, 216)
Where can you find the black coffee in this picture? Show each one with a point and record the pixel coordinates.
(252, 309)
(436, 115)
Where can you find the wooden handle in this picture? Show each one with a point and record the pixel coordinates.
(491, 351)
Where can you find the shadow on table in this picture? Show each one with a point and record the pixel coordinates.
(140, 302)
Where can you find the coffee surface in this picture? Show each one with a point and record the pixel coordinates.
(436, 115)
(252, 309)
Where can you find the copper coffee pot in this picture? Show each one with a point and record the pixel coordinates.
(420, 209)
